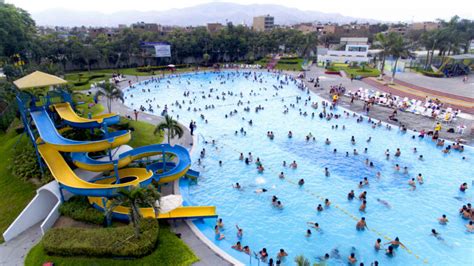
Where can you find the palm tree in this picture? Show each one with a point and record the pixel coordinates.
(383, 44)
(135, 197)
(398, 48)
(111, 92)
(172, 126)
(301, 261)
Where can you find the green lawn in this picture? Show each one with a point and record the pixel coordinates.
(356, 71)
(16, 193)
(143, 134)
(170, 251)
(298, 62)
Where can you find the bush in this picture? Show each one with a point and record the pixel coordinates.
(288, 62)
(154, 68)
(78, 208)
(87, 79)
(102, 242)
(432, 74)
(24, 164)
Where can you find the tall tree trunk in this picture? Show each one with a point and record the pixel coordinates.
(382, 67)
(427, 60)
(169, 136)
(394, 70)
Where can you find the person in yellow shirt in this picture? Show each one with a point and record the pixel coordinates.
(437, 127)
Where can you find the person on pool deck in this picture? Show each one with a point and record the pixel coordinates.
(361, 224)
(395, 243)
(463, 187)
(219, 236)
(281, 175)
(350, 195)
(237, 246)
(293, 165)
(319, 208)
(363, 206)
(352, 259)
(378, 244)
(443, 219)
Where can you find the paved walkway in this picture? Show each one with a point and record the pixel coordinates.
(14, 251)
(412, 121)
(454, 85)
(405, 89)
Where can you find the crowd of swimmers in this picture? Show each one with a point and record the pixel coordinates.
(325, 113)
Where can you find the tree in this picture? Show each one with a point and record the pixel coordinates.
(383, 43)
(110, 92)
(17, 30)
(398, 48)
(135, 197)
(172, 127)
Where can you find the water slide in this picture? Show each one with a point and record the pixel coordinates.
(70, 117)
(163, 174)
(184, 212)
(52, 137)
(73, 183)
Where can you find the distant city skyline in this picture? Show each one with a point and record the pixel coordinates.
(401, 10)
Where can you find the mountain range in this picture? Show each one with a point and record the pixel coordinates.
(191, 16)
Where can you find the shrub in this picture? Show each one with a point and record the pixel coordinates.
(432, 74)
(78, 208)
(24, 164)
(153, 68)
(102, 242)
(288, 62)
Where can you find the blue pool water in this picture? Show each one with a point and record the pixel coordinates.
(412, 214)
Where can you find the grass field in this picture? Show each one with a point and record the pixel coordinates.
(143, 134)
(296, 64)
(17, 193)
(356, 71)
(170, 251)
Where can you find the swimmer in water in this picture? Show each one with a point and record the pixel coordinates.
(327, 203)
(218, 234)
(237, 186)
(395, 243)
(237, 246)
(320, 208)
(443, 220)
(361, 224)
(314, 225)
(420, 179)
(378, 244)
(281, 175)
(363, 206)
(301, 182)
(260, 190)
(437, 235)
(350, 195)
(470, 227)
(385, 203)
(412, 183)
(240, 231)
(294, 165)
(352, 259)
(308, 233)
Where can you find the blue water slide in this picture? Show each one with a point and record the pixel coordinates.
(50, 135)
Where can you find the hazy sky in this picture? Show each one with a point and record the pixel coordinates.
(387, 10)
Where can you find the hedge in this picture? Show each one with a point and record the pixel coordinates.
(102, 242)
(432, 74)
(288, 62)
(88, 79)
(78, 208)
(153, 68)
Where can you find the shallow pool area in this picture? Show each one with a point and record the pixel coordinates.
(224, 103)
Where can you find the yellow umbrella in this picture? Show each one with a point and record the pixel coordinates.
(38, 79)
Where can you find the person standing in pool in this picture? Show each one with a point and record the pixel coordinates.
(361, 224)
(395, 243)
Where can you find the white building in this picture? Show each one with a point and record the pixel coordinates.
(351, 53)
